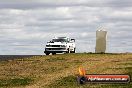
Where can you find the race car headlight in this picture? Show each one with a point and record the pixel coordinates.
(48, 45)
(63, 45)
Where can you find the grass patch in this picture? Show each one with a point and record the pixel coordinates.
(3, 62)
(59, 71)
(90, 85)
(115, 85)
(66, 82)
(116, 68)
(54, 59)
(52, 69)
(15, 82)
(129, 71)
(77, 62)
(129, 63)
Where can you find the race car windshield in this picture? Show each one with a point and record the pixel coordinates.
(59, 40)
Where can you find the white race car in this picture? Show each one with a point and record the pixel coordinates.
(60, 45)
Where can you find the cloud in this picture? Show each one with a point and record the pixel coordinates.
(26, 26)
(31, 4)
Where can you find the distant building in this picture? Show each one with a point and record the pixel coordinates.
(100, 41)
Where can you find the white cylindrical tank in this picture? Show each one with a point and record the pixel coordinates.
(100, 41)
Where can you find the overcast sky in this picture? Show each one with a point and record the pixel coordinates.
(26, 26)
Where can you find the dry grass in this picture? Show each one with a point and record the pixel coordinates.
(61, 70)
